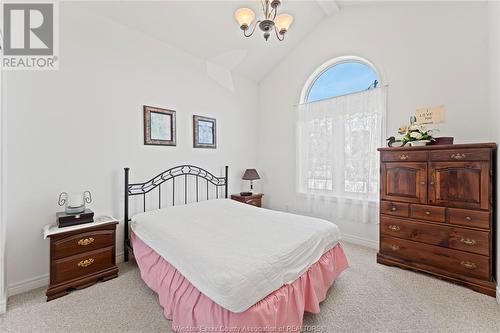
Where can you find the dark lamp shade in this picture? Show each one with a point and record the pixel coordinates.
(250, 174)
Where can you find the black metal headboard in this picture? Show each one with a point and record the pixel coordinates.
(170, 174)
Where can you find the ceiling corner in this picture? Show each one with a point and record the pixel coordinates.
(329, 7)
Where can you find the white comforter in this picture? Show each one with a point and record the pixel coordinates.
(234, 253)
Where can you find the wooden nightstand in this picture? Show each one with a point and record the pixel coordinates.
(81, 255)
(254, 199)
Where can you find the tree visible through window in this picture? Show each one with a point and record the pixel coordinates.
(339, 136)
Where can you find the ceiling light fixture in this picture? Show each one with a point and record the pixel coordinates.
(272, 21)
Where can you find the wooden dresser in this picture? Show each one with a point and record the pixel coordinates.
(437, 212)
(80, 257)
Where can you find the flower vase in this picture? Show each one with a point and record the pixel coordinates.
(419, 143)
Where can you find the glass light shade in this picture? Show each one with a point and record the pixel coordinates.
(283, 22)
(244, 16)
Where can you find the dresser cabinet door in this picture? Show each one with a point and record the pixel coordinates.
(406, 182)
(459, 184)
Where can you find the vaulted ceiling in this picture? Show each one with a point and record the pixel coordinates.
(208, 30)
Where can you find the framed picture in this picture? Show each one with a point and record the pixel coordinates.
(204, 132)
(159, 126)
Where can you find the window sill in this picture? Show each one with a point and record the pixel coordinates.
(334, 198)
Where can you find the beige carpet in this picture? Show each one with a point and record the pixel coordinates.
(366, 298)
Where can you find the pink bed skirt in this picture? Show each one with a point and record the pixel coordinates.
(281, 311)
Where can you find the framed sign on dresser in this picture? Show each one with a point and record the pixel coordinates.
(437, 212)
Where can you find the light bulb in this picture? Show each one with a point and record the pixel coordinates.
(283, 22)
(244, 16)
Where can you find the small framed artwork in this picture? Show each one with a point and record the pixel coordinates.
(159, 126)
(204, 132)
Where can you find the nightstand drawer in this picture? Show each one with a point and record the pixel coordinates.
(254, 199)
(254, 202)
(69, 268)
(83, 242)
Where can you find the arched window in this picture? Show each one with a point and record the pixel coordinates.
(344, 76)
(340, 126)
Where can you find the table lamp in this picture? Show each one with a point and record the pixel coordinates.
(251, 175)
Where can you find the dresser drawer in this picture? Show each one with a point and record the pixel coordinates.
(451, 237)
(430, 213)
(449, 260)
(461, 155)
(81, 265)
(394, 208)
(82, 242)
(470, 218)
(404, 156)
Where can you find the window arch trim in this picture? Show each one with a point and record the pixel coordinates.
(329, 64)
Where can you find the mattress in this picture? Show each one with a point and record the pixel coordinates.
(233, 253)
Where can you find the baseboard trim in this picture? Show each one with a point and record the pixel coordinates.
(39, 281)
(498, 295)
(120, 257)
(360, 241)
(27, 285)
(3, 306)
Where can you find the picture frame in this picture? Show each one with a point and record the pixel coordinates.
(159, 126)
(204, 132)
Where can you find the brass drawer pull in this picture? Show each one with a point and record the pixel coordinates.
(393, 208)
(422, 183)
(86, 241)
(394, 247)
(458, 156)
(427, 213)
(468, 218)
(394, 227)
(403, 157)
(85, 263)
(468, 241)
(468, 264)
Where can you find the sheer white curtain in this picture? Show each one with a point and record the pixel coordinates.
(337, 158)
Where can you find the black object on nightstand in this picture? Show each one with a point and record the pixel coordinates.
(65, 220)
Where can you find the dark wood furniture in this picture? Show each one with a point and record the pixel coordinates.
(79, 258)
(437, 212)
(254, 199)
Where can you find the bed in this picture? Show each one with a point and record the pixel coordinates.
(221, 265)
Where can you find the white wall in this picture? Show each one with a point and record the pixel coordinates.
(3, 289)
(76, 128)
(494, 30)
(429, 54)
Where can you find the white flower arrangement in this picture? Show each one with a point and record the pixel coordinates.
(415, 132)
